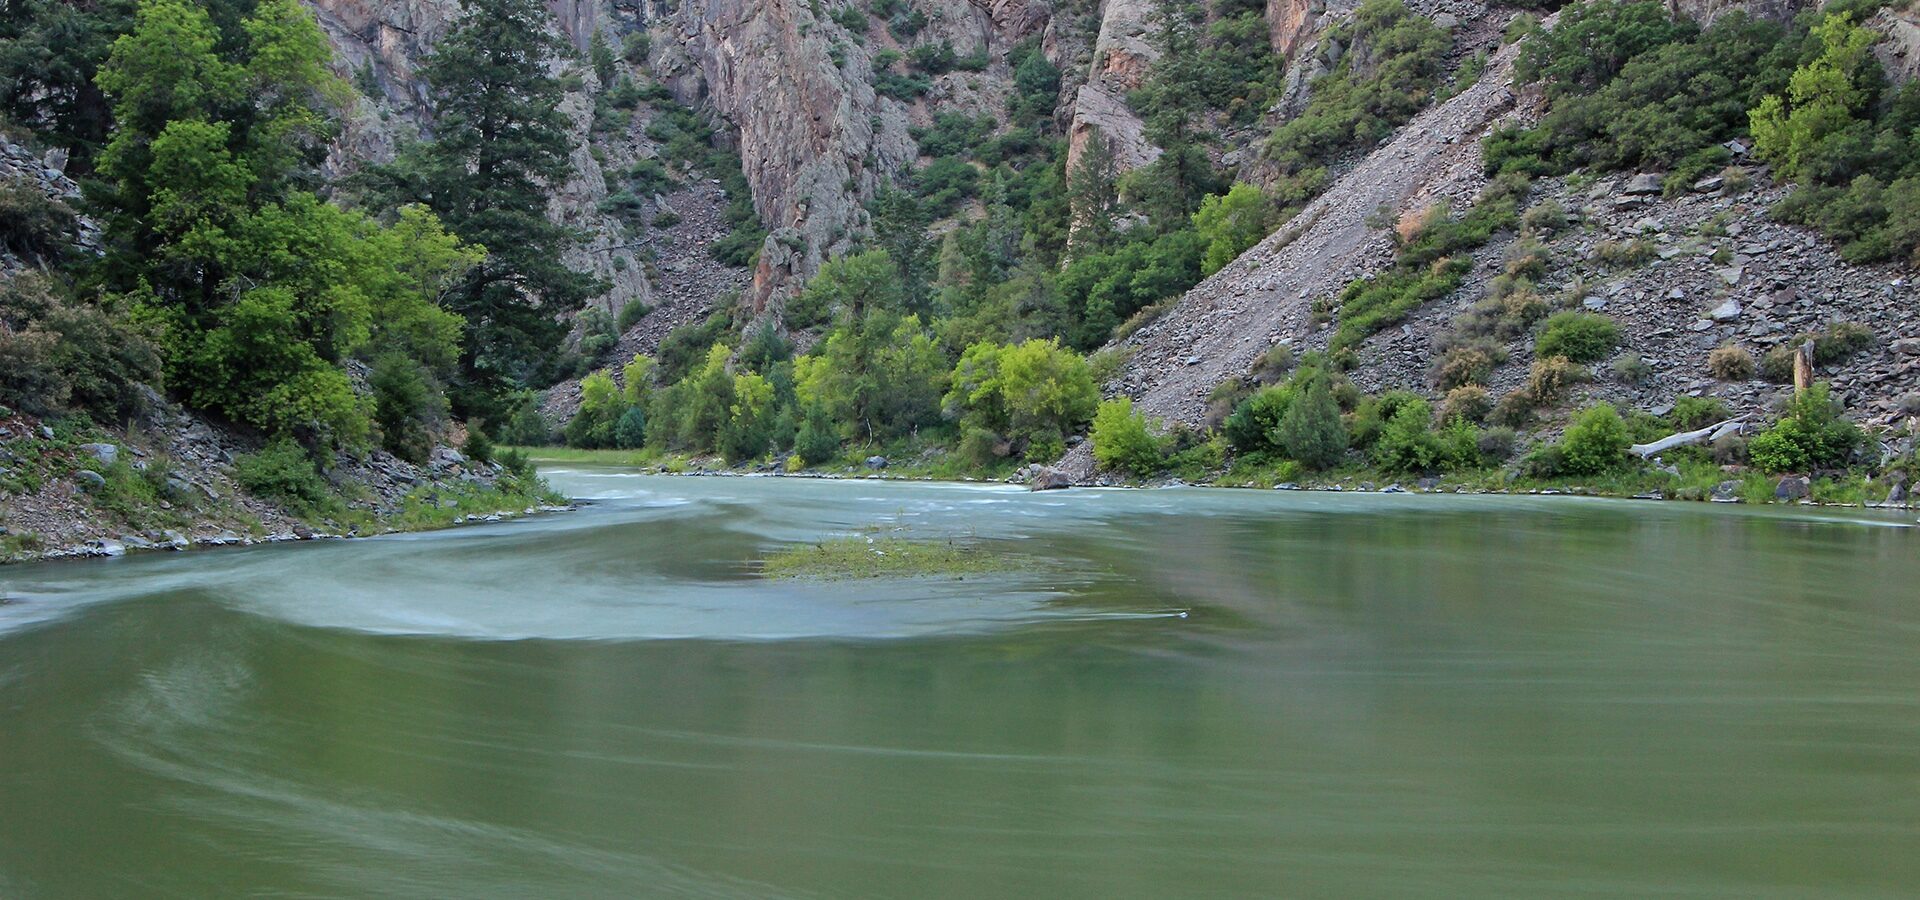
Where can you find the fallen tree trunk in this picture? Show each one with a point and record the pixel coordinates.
(1689, 438)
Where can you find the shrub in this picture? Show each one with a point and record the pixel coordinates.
(1407, 442)
(1550, 379)
(1311, 430)
(1495, 445)
(817, 441)
(1276, 362)
(1229, 224)
(527, 428)
(1624, 254)
(1776, 365)
(1544, 219)
(1468, 364)
(1810, 436)
(1690, 413)
(1596, 442)
(282, 472)
(1122, 440)
(403, 405)
(1731, 363)
(1469, 402)
(477, 447)
(1579, 336)
(1839, 342)
(1252, 424)
(1515, 410)
(57, 354)
(32, 224)
(631, 314)
(1631, 369)
(630, 431)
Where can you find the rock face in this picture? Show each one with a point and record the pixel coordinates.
(1122, 57)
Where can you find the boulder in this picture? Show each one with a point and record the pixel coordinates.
(1792, 488)
(90, 480)
(1726, 492)
(876, 462)
(445, 458)
(1643, 184)
(1050, 480)
(1906, 346)
(1725, 312)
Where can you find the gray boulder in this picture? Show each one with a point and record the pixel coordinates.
(1643, 184)
(1050, 480)
(1793, 488)
(90, 480)
(876, 462)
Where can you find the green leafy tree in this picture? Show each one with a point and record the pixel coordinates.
(1123, 441)
(1231, 223)
(1036, 391)
(601, 408)
(1822, 106)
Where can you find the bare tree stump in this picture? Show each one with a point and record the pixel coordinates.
(1802, 368)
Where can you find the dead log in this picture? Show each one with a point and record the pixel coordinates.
(1689, 438)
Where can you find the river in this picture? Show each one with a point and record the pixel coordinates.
(1207, 693)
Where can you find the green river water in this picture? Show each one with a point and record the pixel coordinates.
(1209, 693)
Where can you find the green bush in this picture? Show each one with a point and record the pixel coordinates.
(1809, 437)
(1596, 442)
(1252, 424)
(1122, 440)
(1311, 430)
(33, 225)
(1407, 442)
(817, 440)
(630, 431)
(283, 472)
(1579, 336)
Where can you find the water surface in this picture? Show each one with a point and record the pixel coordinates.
(1208, 694)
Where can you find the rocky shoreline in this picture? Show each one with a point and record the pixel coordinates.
(70, 489)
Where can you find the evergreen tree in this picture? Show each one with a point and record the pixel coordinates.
(900, 228)
(500, 146)
(1093, 193)
(1310, 430)
(50, 51)
(1171, 187)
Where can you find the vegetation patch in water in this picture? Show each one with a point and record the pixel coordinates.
(865, 556)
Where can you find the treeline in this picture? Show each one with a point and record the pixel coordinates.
(233, 277)
(878, 376)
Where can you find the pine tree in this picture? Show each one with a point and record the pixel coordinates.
(500, 145)
(1093, 194)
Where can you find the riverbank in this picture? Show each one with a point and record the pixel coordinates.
(70, 488)
(1686, 481)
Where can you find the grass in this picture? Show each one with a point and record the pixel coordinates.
(870, 556)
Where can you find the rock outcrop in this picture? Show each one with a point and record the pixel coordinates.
(1122, 57)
